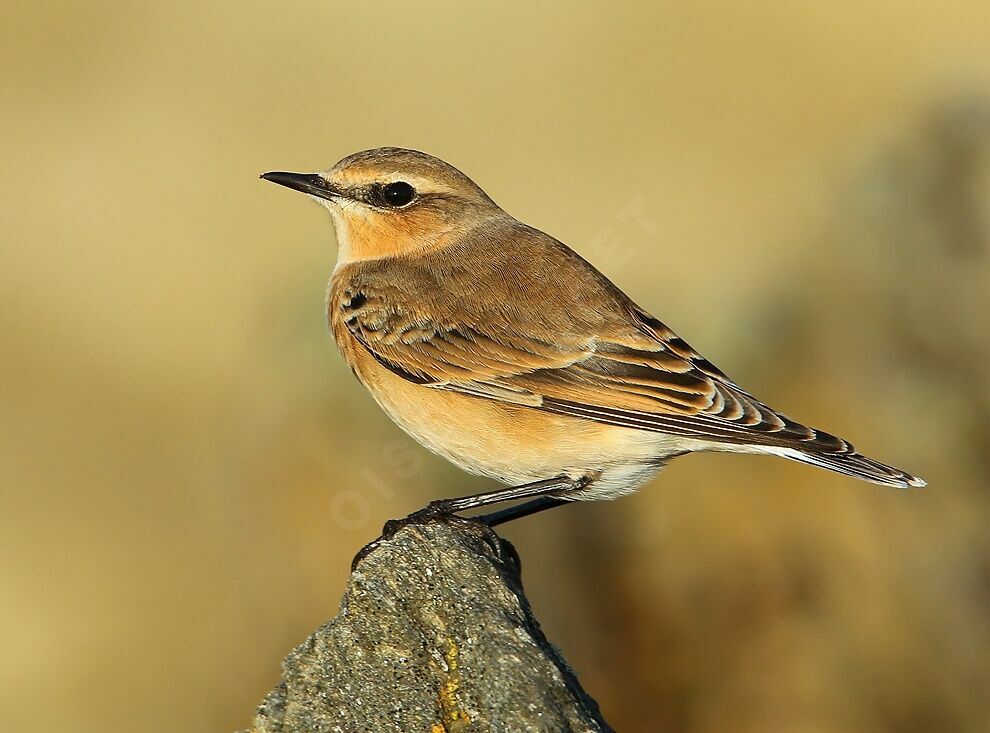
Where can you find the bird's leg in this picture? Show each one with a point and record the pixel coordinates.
(552, 488)
(521, 510)
(544, 494)
(541, 503)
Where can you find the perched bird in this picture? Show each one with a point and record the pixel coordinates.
(501, 349)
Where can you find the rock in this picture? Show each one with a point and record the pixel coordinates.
(434, 634)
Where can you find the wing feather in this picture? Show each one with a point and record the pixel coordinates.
(650, 380)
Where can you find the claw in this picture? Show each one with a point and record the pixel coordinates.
(438, 510)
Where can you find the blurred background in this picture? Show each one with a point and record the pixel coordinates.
(187, 465)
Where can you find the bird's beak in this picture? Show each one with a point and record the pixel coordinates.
(309, 183)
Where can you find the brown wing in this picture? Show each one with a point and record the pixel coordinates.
(675, 391)
(440, 352)
(618, 365)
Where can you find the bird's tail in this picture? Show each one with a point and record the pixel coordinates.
(854, 464)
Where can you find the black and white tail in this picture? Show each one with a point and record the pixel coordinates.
(851, 463)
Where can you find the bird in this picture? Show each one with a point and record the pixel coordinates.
(501, 349)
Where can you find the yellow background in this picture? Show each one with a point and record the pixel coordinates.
(186, 465)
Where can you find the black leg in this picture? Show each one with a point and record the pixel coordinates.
(521, 510)
(546, 487)
(544, 495)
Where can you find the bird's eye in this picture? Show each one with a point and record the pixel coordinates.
(397, 194)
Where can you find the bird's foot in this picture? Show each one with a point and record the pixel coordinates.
(435, 511)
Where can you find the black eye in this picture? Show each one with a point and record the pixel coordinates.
(398, 194)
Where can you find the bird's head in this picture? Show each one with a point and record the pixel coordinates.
(392, 201)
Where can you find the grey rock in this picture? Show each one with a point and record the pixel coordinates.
(434, 634)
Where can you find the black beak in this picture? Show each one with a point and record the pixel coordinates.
(309, 183)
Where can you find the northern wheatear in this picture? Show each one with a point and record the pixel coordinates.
(504, 351)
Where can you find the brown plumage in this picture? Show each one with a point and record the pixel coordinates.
(500, 348)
